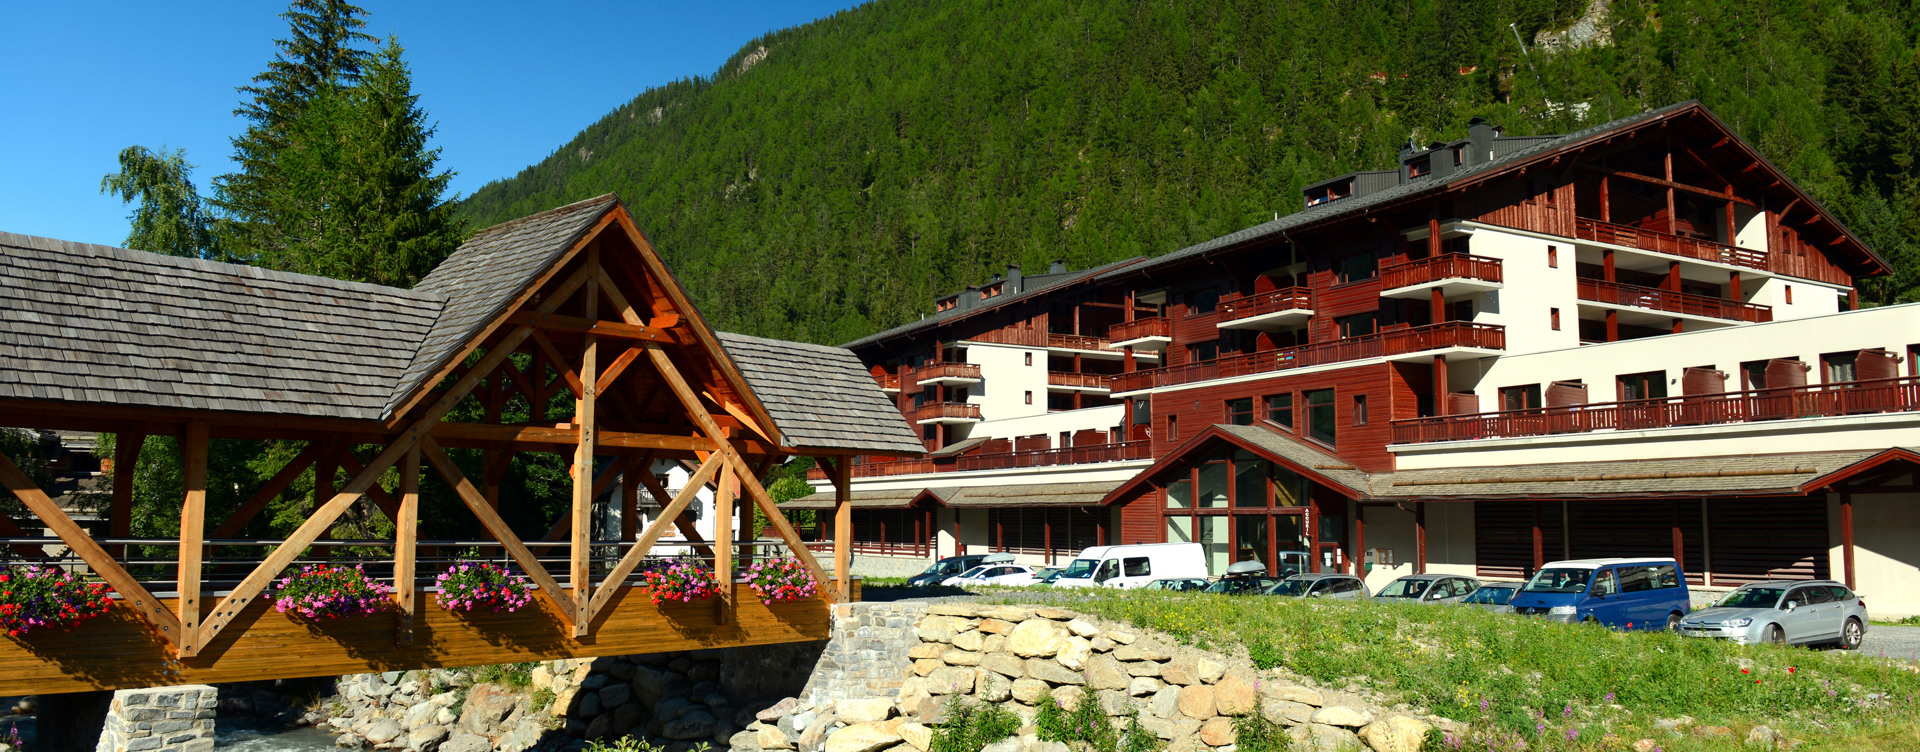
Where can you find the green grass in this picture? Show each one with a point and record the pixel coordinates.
(1535, 680)
(506, 674)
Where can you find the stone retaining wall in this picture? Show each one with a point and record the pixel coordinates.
(160, 719)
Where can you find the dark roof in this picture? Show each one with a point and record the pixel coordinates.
(1739, 474)
(960, 447)
(1038, 495)
(948, 316)
(1508, 152)
(484, 276)
(820, 397)
(899, 498)
(1299, 453)
(91, 323)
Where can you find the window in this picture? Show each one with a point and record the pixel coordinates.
(1357, 325)
(1280, 409)
(1840, 366)
(1240, 411)
(1320, 420)
(1606, 583)
(1029, 398)
(1203, 351)
(1553, 257)
(1142, 411)
(1029, 358)
(1203, 301)
(1139, 566)
(1523, 397)
(1173, 428)
(990, 291)
(1459, 154)
(1789, 294)
(1355, 267)
(1553, 317)
(1359, 409)
(1641, 386)
(1419, 168)
(1753, 374)
(946, 305)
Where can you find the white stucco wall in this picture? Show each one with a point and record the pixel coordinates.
(1102, 418)
(1005, 380)
(1532, 290)
(1886, 550)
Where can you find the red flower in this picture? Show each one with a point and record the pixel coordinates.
(1744, 671)
(1789, 669)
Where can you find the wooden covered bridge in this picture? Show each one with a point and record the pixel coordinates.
(570, 302)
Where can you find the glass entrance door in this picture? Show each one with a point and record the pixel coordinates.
(1250, 542)
(1292, 552)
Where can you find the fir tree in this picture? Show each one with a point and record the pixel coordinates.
(168, 215)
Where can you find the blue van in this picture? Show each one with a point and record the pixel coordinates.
(1644, 594)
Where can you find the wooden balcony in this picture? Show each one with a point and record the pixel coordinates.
(1823, 400)
(1417, 339)
(947, 412)
(948, 373)
(889, 382)
(1153, 332)
(1287, 306)
(1669, 244)
(1079, 381)
(1455, 273)
(1686, 304)
(1080, 455)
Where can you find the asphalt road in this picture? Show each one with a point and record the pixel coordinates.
(1891, 642)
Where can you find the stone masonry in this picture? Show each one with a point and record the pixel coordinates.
(160, 719)
(867, 656)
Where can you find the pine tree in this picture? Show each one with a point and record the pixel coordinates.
(168, 216)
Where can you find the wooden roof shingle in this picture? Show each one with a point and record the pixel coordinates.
(820, 397)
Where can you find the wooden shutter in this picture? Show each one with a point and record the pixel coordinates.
(1463, 403)
(1603, 529)
(1032, 443)
(1702, 381)
(1876, 364)
(1759, 539)
(1089, 437)
(1783, 372)
(1503, 537)
(1566, 393)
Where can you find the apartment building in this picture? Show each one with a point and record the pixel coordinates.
(1640, 338)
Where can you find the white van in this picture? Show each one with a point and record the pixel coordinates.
(1133, 566)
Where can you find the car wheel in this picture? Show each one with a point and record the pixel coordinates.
(1673, 622)
(1776, 635)
(1851, 634)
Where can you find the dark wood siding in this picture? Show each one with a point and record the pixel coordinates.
(1503, 536)
(1758, 539)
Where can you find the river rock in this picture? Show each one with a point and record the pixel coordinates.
(775, 711)
(382, 731)
(1340, 715)
(1395, 734)
(870, 710)
(1197, 702)
(693, 726)
(1235, 696)
(1051, 672)
(771, 737)
(864, 737)
(1217, 732)
(466, 743)
(1035, 638)
(427, 738)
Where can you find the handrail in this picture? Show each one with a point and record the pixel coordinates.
(933, 410)
(1082, 380)
(1395, 342)
(1602, 291)
(1443, 266)
(1077, 342)
(1824, 400)
(1668, 243)
(1079, 455)
(887, 380)
(1235, 306)
(1041, 338)
(948, 371)
(1154, 326)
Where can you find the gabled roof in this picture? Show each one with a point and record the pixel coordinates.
(92, 323)
(1544, 148)
(1326, 469)
(978, 497)
(820, 397)
(899, 498)
(949, 316)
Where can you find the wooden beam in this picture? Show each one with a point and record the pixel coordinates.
(406, 533)
(497, 527)
(380, 497)
(740, 414)
(658, 527)
(126, 462)
(614, 369)
(843, 529)
(630, 470)
(268, 492)
(521, 434)
(725, 538)
(131, 593)
(323, 518)
(590, 326)
(687, 529)
(584, 417)
(559, 363)
(193, 530)
(1649, 179)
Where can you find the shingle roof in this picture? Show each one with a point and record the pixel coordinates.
(485, 274)
(91, 323)
(944, 317)
(899, 498)
(1297, 452)
(820, 397)
(1732, 474)
(1039, 495)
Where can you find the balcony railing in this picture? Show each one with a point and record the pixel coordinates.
(1670, 244)
(1080, 455)
(1157, 326)
(1037, 338)
(1079, 380)
(933, 371)
(887, 380)
(1602, 291)
(1236, 307)
(1824, 400)
(955, 410)
(1396, 342)
(1443, 266)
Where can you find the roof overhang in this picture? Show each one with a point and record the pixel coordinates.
(1213, 436)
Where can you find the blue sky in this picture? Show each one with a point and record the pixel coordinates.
(507, 83)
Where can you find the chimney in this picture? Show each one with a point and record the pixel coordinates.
(1013, 278)
(1480, 135)
(1059, 267)
(1441, 164)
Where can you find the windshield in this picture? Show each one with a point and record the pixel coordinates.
(1405, 589)
(1080, 569)
(974, 572)
(1559, 581)
(1495, 595)
(1290, 587)
(943, 567)
(1759, 597)
(1239, 585)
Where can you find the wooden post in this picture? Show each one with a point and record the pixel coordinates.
(1673, 217)
(1539, 541)
(193, 530)
(843, 528)
(1433, 237)
(1360, 541)
(1437, 306)
(324, 471)
(406, 533)
(1679, 541)
(1606, 265)
(724, 539)
(1733, 287)
(1679, 326)
(1046, 534)
(585, 418)
(1440, 387)
(1672, 283)
(1613, 325)
(1731, 229)
(630, 497)
(1419, 538)
(1846, 534)
(1606, 208)
(126, 462)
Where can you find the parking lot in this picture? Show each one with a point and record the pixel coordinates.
(1892, 642)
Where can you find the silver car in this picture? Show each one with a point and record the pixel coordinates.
(1321, 585)
(1784, 612)
(1428, 588)
(1493, 596)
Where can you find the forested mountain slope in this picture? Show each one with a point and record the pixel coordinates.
(832, 178)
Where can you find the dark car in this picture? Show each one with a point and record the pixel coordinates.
(1321, 585)
(944, 568)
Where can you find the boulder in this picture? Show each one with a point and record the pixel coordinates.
(1397, 733)
(917, 735)
(1315, 737)
(1068, 698)
(1102, 645)
(1294, 694)
(1015, 614)
(1054, 614)
(926, 650)
(864, 737)
(815, 735)
(1029, 691)
(1130, 652)
(1009, 744)
(382, 731)
(1074, 652)
(995, 643)
(771, 737)
(1113, 702)
(466, 743)
(1142, 668)
(954, 609)
(589, 705)
(1049, 747)
(996, 626)
(1763, 736)
(615, 695)
(1124, 638)
(971, 640)
(420, 715)
(991, 687)
(1217, 732)
(600, 727)
(1142, 686)
(870, 710)
(950, 680)
(427, 738)
(926, 666)
(1209, 671)
(1103, 672)
(1197, 702)
(960, 658)
(1165, 703)
(486, 707)
(1051, 672)
(627, 716)
(1235, 696)
(693, 726)
(1083, 628)
(1341, 715)
(1170, 729)
(1004, 665)
(1178, 673)
(1287, 711)
(774, 712)
(1036, 638)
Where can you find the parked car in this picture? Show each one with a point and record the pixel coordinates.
(1243, 578)
(1428, 588)
(996, 574)
(944, 568)
(1321, 585)
(1493, 596)
(1784, 612)
(1133, 565)
(1177, 584)
(1621, 593)
(986, 561)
